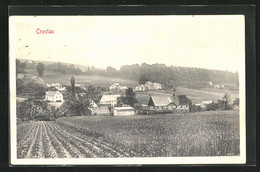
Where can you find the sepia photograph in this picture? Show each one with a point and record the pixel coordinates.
(136, 89)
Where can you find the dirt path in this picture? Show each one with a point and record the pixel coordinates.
(48, 139)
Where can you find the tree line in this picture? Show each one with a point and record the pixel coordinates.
(172, 76)
(169, 76)
(53, 67)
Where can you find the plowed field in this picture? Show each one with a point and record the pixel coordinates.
(45, 139)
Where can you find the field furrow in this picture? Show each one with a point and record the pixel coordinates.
(24, 145)
(67, 142)
(88, 149)
(49, 150)
(37, 148)
(21, 136)
(101, 146)
(29, 153)
(60, 149)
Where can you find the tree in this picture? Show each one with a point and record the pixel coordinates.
(29, 109)
(129, 97)
(72, 81)
(91, 89)
(20, 66)
(143, 79)
(78, 107)
(40, 69)
(110, 71)
(236, 102)
(225, 100)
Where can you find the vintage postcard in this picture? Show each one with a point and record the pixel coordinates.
(136, 89)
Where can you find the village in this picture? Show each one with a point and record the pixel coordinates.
(109, 103)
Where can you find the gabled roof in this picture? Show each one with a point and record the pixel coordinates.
(159, 101)
(140, 86)
(110, 97)
(181, 100)
(115, 83)
(52, 93)
(166, 100)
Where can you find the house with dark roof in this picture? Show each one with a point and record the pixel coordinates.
(176, 104)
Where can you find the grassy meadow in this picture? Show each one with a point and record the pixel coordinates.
(214, 133)
(64, 79)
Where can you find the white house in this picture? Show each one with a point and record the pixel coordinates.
(148, 85)
(205, 103)
(217, 86)
(61, 88)
(109, 100)
(92, 103)
(116, 87)
(56, 85)
(123, 111)
(54, 96)
(102, 110)
(140, 87)
(157, 86)
(123, 88)
(152, 86)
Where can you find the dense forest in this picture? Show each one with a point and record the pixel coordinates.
(172, 76)
(169, 76)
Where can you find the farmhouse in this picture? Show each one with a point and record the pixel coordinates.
(140, 87)
(182, 103)
(109, 100)
(157, 86)
(57, 86)
(161, 103)
(152, 86)
(102, 110)
(61, 88)
(117, 87)
(54, 96)
(177, 104)
(53, 85)
(148, 85)
(219, 86)
(123, 111)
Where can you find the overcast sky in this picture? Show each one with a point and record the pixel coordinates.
(212, 42)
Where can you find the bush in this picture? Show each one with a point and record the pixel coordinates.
(194, 108)
(212, 106)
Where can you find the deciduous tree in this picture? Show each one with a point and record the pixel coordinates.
(40, 69)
